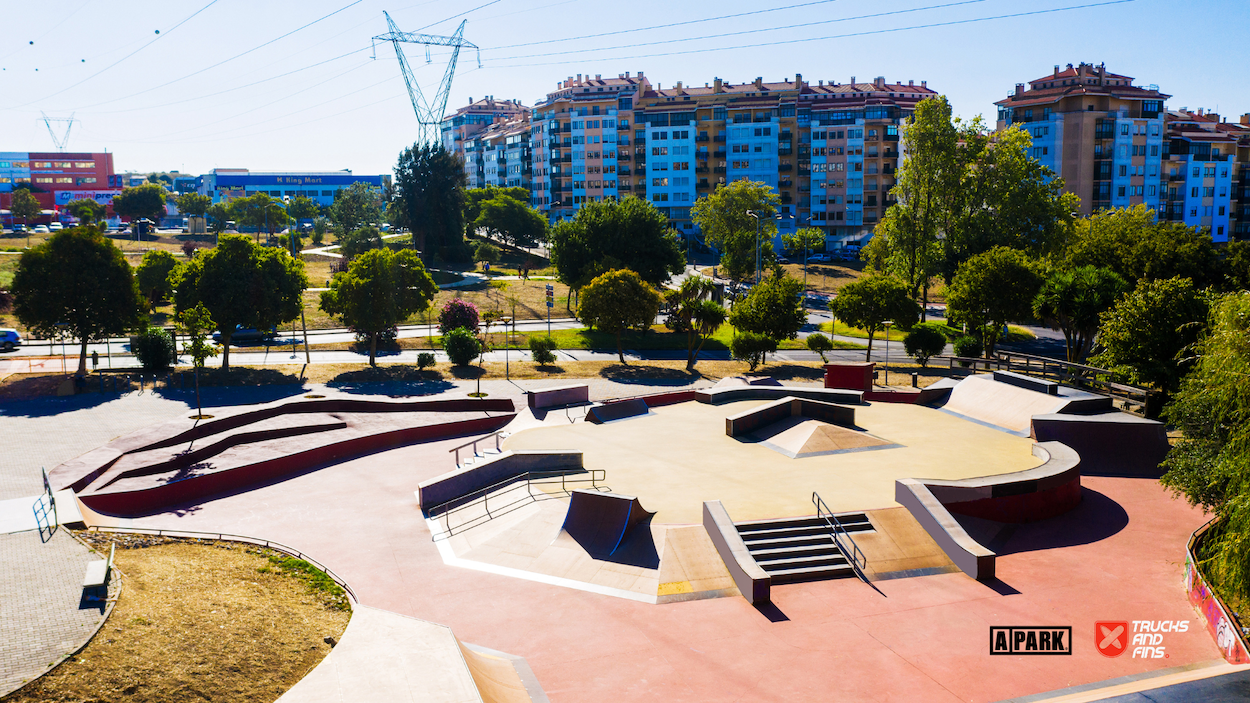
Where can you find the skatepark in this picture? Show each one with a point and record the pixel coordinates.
(742, 541)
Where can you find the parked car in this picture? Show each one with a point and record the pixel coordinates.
(9, 339)
(816, 258)
(18, 228)
(247, 334)
(41, 229)
(56, 227)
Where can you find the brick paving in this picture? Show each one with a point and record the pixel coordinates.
(42, 615)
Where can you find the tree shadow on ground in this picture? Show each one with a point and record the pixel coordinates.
(651, 375)
(468, 373)
(790, 372)
(394, 379)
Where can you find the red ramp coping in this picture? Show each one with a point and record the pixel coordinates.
(602, 522)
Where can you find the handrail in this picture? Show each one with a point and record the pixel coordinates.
(269, 544)
(474, 443)
(1080, 375)
(482, 497)
(857, 559)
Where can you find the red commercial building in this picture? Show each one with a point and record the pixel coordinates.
(55, 178)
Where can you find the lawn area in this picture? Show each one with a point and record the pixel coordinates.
(509, 264)
(1015, 333)
(531, 301)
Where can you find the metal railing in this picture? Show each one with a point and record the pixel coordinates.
(222, 536)
(855, 557)
(1083, 376)
(506, 503)
(474, 445)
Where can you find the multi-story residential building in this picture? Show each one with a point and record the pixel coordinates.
(499, 155)
(55, 178)
(226, 184)
(830, 150)
(472, 119)
(1239, 221)
(1205, 172)
(1097, 130)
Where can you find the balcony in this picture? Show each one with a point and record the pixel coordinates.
(624, 171)
(719, 169)
(720, 138)
(785, 167)
(701, 169)
(702, 138)
(640, 187)
(622, 156)
(786, 198)
(784, 150)
(703, 183)
(804, 171)
(719, 153)
(784, 135)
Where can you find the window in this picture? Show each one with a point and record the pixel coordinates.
(1208, 192)
(84, 164)
(1154, 149)
(681, 166)
(1221, 211)
(659, 151)
(1193, 192)
(43, 179)
(1123, 170)
(1124, 130)
(1151, 190)
(719, 112)
(1120, 191)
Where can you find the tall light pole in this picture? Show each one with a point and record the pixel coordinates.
(756, 215)
(295, 255)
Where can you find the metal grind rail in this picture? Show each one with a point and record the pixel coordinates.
(853, 555)
(504, 504)
(495, 435)
(221, 536)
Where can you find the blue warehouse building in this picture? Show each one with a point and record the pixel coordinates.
(225, 184)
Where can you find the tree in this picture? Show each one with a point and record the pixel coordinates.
(752, 347)
(924, 341)
(193, 204)
(872, 301)
(154, 349)
(1071, 301)
(25, 205)
(147, 200)
(991, 289)
(358, 204)
(474, 197)
(691, 311)
(152, 276)
(194, 325)
(820, 344)
(774, 308)
(487, 252)
(380, 289)
(359, 241)
(79, 282)
(616, 301)
(511, 220)
(626, 234)
(429, 199)
(302, 208)
(264, 213)
(542, 350)
(1130, 242)
(461, 346)
(241, 284)
(1210, 463)
(86, 210)
(804, 242)
(219, 214)
(319, 230)
(458, 313)
(1147, 335)
(1237, 266)
(723, 218)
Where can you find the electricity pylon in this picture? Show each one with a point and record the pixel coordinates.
(429, 114)
(63, 140)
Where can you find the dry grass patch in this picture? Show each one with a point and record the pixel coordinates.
(209, 621)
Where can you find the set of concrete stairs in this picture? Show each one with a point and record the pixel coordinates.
(482, 454)
(800, 549)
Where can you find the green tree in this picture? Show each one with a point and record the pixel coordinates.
(752, 347)
(616, 301)
(219, 214)
(25, 205)
(154, 349)
(87, 211)
(820, 344)
(193, 204)
(474, 197)
(302, 208)
(487, 252)
(319, 230)
(691, 311)
(723, 218)
(79, 282)
(461, 346)
(380, 289)
(1071, 300)
(625, 234)
(774, 308)
(359, 241)
(355, 206)
(991, 289)
(1237, 266)
(429, 199)
(872, 301)
(195, 324)
(241, 284)
(924, 341)
(808, 240)
(512, 221)
(147, 200)
(264, 213)
(1130, 242)
(1147, 336)
(152, 276)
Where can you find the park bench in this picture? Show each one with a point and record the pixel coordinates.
(98, 571)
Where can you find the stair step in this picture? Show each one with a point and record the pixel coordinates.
(816, 573)
(785, 532)
(827, 548)
(851, 522)
(782, 542)
(771, 565)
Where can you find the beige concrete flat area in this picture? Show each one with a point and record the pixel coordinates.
(678, 456)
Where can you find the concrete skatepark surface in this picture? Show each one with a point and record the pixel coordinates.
(983, 399)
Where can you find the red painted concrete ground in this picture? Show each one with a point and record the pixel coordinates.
(1117, 557)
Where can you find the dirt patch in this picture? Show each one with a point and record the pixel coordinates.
(199, 620)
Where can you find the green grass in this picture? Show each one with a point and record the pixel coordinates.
(1015, 333)
(8, 267)
(318, 581)
(658, 338)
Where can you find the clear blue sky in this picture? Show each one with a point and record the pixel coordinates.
(162, 102)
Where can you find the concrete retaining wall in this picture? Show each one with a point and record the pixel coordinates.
(752, 582)
(1116, 444)
(558, 396)
(617, 410)
(750, 420)
(729, 394)
(510, 464)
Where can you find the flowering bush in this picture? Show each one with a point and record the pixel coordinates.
(458, 313)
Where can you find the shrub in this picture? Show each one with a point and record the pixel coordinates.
(486, 252)
(458, 313)
(923, 341)
(543, 350)
(461, 346)
(424, 361)
(752, 347)
(968, 346)
(154, 349)
(188, 248)
(820, 344)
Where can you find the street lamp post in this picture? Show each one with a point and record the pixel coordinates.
(887, 351)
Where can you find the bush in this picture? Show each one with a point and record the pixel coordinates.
(751, 347)
(424, 361)
(154, 349)
(486, 252)
(968, 347)
(820, 344)
(189, 247)
(925, 340)
(458, 313)
(461, 346)
(543, 350)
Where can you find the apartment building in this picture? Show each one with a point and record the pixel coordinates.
(499, 155)
(1101, 133)
(1202, 173)
(829, 149)
(472, 119)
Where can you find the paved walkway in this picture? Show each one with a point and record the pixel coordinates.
(42, 615)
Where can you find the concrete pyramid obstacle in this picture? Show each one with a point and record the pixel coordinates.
(801, 437)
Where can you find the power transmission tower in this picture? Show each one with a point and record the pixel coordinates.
(429, 114)
(61, 141)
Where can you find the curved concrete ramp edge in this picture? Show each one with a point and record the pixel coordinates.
(386, 657)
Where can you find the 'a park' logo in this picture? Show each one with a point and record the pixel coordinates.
(1111, 638)
(1031, 640)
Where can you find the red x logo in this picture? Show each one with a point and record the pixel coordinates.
(1111, 638)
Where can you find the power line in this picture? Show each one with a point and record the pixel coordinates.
(745, 31)
(462, 14)
(931, 25)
